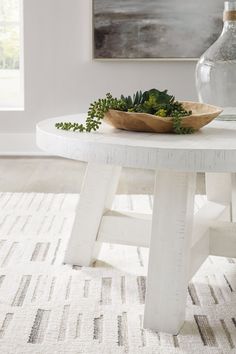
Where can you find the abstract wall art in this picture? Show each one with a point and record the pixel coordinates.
(155, 29)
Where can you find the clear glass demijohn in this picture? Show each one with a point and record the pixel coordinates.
(216, 69)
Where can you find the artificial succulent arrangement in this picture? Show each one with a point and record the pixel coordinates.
(155, 102)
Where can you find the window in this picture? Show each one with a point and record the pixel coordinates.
(11, 78)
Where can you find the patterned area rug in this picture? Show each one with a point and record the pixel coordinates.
(47, 307)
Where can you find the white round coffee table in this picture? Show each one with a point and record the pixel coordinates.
(179, 243)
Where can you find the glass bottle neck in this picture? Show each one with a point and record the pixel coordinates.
(229, 26)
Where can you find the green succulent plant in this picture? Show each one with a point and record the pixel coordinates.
(153, 101)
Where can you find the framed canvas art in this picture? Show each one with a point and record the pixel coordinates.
(155, 29)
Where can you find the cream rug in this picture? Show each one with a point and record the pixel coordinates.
(47, 307)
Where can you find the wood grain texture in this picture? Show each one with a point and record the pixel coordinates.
(202, 114)
(98, 190)
(176, 160)
(170, 249)
(212, 149)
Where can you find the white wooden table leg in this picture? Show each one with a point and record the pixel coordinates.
(169, 251)
(98, 190)
(219, 188)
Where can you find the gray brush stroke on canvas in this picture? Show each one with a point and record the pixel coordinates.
(155, 28)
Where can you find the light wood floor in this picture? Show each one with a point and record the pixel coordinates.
(58, 175)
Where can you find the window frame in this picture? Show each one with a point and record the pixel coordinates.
(21, 107)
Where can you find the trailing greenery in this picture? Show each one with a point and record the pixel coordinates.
(155, 102)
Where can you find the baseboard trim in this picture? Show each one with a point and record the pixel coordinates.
(18, 144)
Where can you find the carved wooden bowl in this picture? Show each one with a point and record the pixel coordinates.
(202, 114)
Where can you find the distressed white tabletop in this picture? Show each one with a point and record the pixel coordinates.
(212, 149)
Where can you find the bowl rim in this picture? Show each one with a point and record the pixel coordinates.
(217, 110)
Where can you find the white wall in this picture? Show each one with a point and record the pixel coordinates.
(60, 76)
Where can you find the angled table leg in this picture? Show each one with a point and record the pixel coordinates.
(169, 251)
(221, 189)
(98, 190)
(218, 187)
